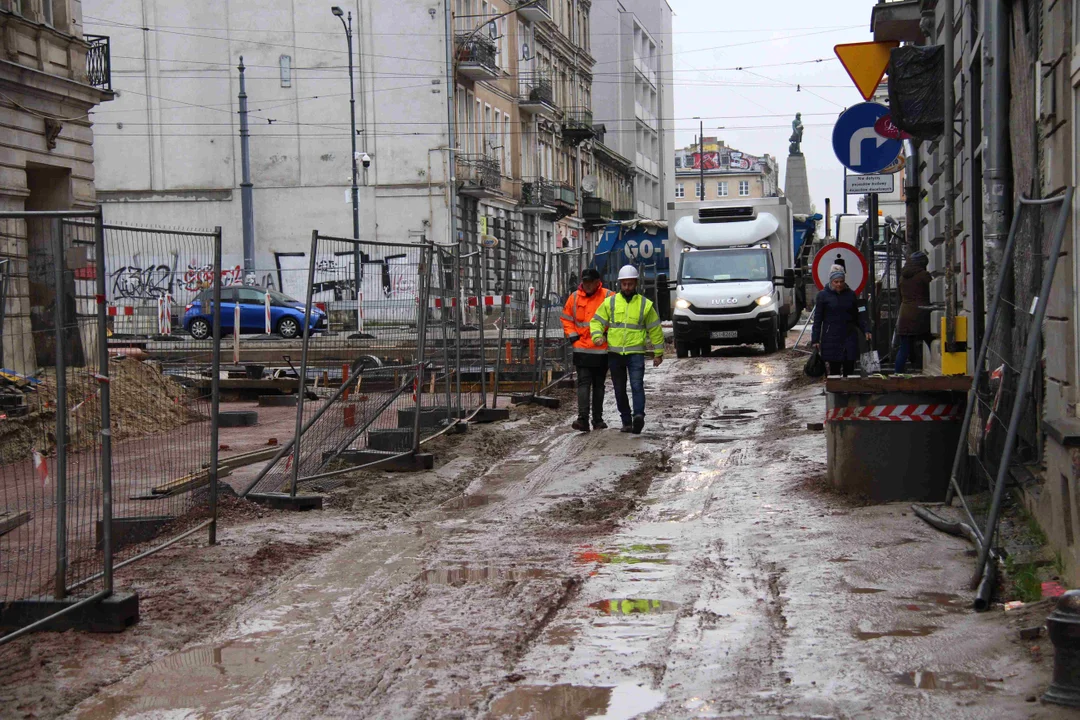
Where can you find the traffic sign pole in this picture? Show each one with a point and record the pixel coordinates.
(871, 285)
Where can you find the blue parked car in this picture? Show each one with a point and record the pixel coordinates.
(286, 313)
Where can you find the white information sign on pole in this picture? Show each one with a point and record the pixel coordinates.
(873, 183)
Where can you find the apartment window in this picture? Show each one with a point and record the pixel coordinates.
(488, 138)
(744, 188)
(697, 190)
(47, 12)
(507, 164)
(285, 63)
(680, 191)
(721, 189)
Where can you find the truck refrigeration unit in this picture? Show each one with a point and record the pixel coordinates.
(732, 274)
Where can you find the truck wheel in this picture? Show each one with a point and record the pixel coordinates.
(681, 351)
(772, 339)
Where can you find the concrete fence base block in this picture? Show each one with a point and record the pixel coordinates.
(429, 417)
(237, 418)
(530, 399)
(114, 614)
(399, 440)
(277, 401)
(387, 461)
(133, 530)
(490, 415)
(284, 501)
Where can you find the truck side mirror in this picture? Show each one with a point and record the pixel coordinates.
(663, 296)
(789, 278)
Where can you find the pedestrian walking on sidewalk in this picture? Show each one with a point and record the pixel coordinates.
(631, 326)
(837, 322)
(914, 322)
(590, 358)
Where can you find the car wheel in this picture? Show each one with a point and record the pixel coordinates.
(681, 350)
(199, 329)
(288, 328)
(773, 338)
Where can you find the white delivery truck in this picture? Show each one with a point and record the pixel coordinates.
(732, 274)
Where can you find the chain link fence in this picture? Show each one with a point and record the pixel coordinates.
(104, 458)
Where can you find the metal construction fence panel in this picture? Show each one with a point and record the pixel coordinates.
(103, 456)
(362, 367)
(1001, 425)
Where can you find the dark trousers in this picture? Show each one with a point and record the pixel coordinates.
(910, 349)
(841, 367)
(632, 367)
(590, 389)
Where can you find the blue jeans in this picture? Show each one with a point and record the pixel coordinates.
(903, 352)
(634, 366)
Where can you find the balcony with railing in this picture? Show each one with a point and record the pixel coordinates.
(476, 56)
(596, 209)
(538, 196)
(896, 20)
(98, 62)
(565, 196)
(534, 11)
(577, 125)
(537, 94)
(479, 175)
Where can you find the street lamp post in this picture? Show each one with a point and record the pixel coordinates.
(352, 114)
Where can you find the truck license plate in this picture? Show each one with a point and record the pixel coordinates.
(723, 334)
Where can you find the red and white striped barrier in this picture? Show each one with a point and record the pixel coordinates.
(489, 300)
(532, 306)
(164, 314)
(120, 310)
(438, 303)
(895, 413)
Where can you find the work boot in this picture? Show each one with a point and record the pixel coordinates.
(599, 425)
(627, 428)
(581, 425)
(639, 423)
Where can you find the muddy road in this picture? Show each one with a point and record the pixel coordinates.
(700, 569)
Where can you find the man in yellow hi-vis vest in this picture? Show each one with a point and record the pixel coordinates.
(632, 328)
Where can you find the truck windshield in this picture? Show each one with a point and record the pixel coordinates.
(726, 266)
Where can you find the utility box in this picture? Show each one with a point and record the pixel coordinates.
(893, 439)
(955, 363)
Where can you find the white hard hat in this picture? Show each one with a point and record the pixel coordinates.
(628, 272)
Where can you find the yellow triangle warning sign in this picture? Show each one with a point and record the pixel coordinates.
(866, 63)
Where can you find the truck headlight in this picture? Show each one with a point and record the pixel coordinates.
(764, 300)
(682, 304)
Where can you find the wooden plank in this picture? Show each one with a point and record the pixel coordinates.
(882, 385)
(9, 520)
(188, 482)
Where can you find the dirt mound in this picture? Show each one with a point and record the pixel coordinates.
(143, 402)
(607, 506)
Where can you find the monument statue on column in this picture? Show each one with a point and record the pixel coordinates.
(796, 136)
(796, 183)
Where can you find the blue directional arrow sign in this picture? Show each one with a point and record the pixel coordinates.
(857, 145)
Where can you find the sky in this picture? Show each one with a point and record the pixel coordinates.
(712, 37)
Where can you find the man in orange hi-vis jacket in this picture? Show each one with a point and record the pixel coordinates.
(590, 360)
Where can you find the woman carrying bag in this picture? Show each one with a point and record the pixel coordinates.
(837, 322)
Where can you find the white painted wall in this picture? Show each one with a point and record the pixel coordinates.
(168, 148)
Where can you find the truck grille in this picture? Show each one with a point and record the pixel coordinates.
(722, 310)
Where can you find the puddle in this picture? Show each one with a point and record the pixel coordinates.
(634, 606)
(949, 681)
(470, 501)
(921, 631)
(463, 574)
(576, 702)
(943, 599)
(841, 560)
(623, 555)
(713, 440)
(866, 591)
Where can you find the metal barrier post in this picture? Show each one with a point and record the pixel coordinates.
(424, 290)
(215, 386)
(541, 322)
(104, 390)
(447, 310)
(481, 309)
(304, 364)
(508, 294)
(59, 265)
(456, 286)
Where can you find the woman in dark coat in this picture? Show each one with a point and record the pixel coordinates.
(914, 295)
(837, 323)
